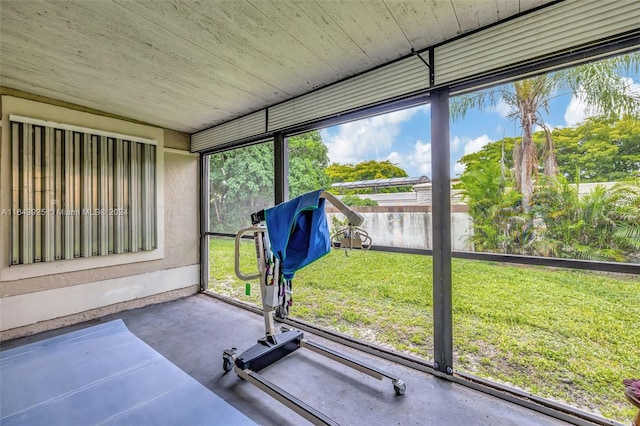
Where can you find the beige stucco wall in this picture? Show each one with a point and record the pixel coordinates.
(88, 293)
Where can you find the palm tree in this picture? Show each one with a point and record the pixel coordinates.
(602, 86)
(497, 224)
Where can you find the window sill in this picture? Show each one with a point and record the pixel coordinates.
(20, 272)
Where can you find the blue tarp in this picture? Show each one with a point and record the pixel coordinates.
(103, 375)
(298, 231)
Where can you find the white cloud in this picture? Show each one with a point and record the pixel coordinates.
(347, 145)
(470, 146)
(421, 158)
(577, 111)
(395, 157)
(459, 168)
(455, 144)
(475, 145)
(426, 109)
(366, 139)
(503, 108)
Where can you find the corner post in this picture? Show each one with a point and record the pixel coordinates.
(442, 300)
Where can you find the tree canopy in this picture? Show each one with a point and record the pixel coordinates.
(598, 150)
(240, 183)
(366, 170)
(241, 180)
(602, 86)
(308, 159)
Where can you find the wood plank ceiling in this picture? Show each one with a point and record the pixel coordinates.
(188, 65)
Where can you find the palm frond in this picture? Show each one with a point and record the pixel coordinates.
(549, 153)
(628, 238)
(461, 105)
(547, 247)
(604, 88)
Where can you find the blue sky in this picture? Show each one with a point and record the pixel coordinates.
(404, 136)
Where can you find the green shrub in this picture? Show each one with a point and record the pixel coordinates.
(601, 225)
(353, 200)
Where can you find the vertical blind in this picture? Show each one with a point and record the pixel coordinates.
(79, 194)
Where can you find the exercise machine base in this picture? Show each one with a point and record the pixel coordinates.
(266, 352)
(272, 348)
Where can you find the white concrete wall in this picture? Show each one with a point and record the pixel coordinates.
(394, 227)
(33, 302)
(411, 228)
(399, 229)
(403, 219)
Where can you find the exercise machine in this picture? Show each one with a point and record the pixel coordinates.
(288, 237)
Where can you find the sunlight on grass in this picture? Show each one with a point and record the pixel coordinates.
(567, 335)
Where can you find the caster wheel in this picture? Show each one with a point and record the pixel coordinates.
(400, 387)
(227, 364)
(281, 312)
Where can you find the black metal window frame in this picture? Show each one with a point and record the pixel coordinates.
(438, 97)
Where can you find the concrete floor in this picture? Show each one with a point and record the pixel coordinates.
(193, 332)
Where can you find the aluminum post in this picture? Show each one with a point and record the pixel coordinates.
(441, 181)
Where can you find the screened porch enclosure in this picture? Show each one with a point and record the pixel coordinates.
(166, 125)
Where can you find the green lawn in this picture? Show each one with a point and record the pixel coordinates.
(567, 335)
